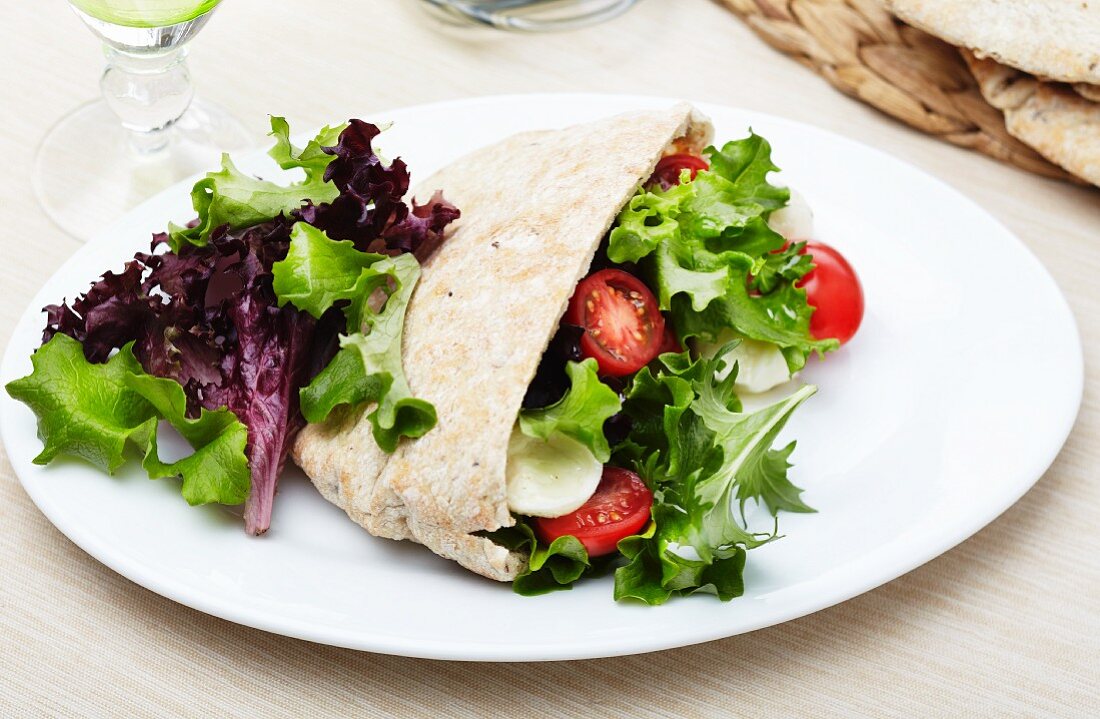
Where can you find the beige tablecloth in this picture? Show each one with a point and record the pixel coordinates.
(1007, 624)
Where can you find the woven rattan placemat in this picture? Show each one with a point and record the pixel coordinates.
(864, 52)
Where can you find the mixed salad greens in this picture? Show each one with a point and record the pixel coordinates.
(279, 303)
(691, 262)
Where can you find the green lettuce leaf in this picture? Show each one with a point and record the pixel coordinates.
(713, 259)
(652, 576)
(757, 471)
(711, 456)
(319, 272)
(230, 197)
(647, 220)
(772, 269)
(312, 158)
(549, 568)
(639, 578)
(580, 414)
(94, 411)
(83, 410)
(746, 164)
(217, 471)
(767, 482)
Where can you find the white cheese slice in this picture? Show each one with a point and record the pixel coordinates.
(760, 365)
(549, 478)
(795, 221)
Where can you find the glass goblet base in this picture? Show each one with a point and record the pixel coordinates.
(89, 169)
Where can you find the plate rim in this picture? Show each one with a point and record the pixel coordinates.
(258, 618)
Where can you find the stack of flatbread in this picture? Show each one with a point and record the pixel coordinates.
(1037, 61)
(1018, 80)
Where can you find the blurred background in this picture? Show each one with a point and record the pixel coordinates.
(256, 57)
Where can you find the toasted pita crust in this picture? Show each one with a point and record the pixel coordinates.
(1060, 124)
(534, 209)
(1058, 39)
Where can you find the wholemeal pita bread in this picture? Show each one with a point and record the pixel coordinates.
(1087, 91)
(1060, 124)
(534, 210)
(1057, 39)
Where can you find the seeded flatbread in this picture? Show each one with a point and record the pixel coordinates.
(534, 209)
(1056, 39)
(1050, 117)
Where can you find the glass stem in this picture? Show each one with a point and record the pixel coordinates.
(148, 91)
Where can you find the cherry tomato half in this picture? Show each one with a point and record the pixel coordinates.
(669, 168)
(618, 508)
(623, 328)
(833, 290)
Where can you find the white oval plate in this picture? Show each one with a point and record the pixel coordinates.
(950, 403)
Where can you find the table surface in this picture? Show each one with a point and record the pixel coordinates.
(1006, 624)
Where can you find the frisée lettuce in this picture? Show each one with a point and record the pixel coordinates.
(711, 456)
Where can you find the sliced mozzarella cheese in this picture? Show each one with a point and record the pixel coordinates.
(549, 478)
(795, 221)
(760, 365)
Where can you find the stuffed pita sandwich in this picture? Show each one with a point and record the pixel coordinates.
(535, 208)
(550, 361)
